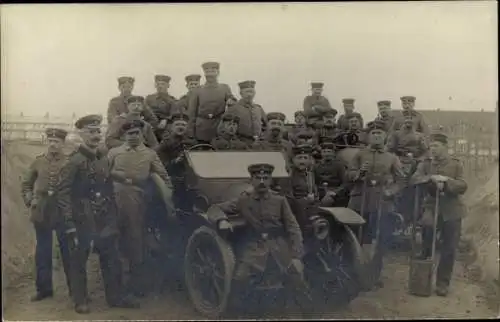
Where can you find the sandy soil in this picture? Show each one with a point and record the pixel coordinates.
(467, 299)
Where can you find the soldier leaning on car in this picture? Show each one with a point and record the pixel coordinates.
(376, 176)
(85, 197)
(445, 173)
(273, 230)
(39, 194)
(131, 165)
(227, 138)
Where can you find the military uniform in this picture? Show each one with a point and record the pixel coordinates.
(161, 103)
(373, 190)
(171, 151)
(272, 229)
(450, 213)
(330, 176)
(206, 106)
(85, 196)
(419, 123)
(118, 105)
(39, 194)
(182, 104)
(385, 116)
(130, 168)
(114, 134)
(343, 121)
(252, 116)
(327, 131)
(315, 105)
(226, 141)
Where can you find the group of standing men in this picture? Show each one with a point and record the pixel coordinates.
(95, 198)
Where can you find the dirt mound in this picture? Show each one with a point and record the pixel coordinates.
(481, 232)
(17, 231)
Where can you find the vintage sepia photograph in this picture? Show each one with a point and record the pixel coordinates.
(250, 161)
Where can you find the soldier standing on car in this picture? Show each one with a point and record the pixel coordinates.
(161, 103)
(131, 165)
(376, 176)
(385, 116)
(316, 104)
(328, 130)
(227, 138)
(252, 117)
(118, 104)
(274, 230)
(207, 104)
(171, 151)
(408, 104)
(192, 82)
(114, 134)
(85, 196)
(443, 172)
(39, 194)
(330, 176)
(343, 121)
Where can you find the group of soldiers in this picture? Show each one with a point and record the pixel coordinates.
(96, 199)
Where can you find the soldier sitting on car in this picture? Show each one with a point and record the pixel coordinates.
(227, 138)
(273, 231)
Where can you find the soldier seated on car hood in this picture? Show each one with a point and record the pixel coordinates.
(227, 138)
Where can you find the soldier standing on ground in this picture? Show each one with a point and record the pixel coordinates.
(131, 165)
(161, 103)
(114, 135)
(343, 121)
(252, 117)
(275, 231)
(227, 138)
(207, 104)
(192, 82)
(376, 176)
(408, 104)
(39, 194)
(85, 196)
(118, 105)
(445, 173)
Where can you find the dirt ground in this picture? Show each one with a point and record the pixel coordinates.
(468, 298)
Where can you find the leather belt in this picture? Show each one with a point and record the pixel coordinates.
(209, 116)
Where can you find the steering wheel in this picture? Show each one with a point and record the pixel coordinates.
(199, 146)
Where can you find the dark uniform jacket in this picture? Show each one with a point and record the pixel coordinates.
(403, 141)
(114, 135)
(169, 149)
(161, 104)
(85, 194)
(384, 173)
(331, 176)
(229, 143)
(310, 101)
(252, 118)
(269, 214)
(117, 106)
(39, 187)
(451, 205)
(418, 121)
(206, 106)
(181, 106)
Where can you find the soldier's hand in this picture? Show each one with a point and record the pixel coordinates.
(298, 265)
(438, 178)
(225, 225)
(162, 124)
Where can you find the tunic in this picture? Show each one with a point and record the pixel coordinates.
(118, 106)
(114, 135)
(418, 120)
(252, 118)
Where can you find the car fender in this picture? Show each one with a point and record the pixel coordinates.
(343, 215)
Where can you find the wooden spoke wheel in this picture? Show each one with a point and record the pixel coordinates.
(208, 265)
(335, 269)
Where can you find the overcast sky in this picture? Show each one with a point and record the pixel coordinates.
(66, 58)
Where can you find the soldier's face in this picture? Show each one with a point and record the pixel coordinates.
(384, 110)
(162, 86)
(261, 182)
(327, 154)
(329, 120)
(247, 93)
(275, 126)
(317, 91)
(192, 84)
(55, 145)
(133, 137)
(211, 72)
(126, 88)
(179, 127)
(377, 137)
(408, 105)
(230, 127)
(437, 149)
(135, 107)
(348, 108)
(300, 119)
(91, 136)
(302, 161)
(354, 124)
